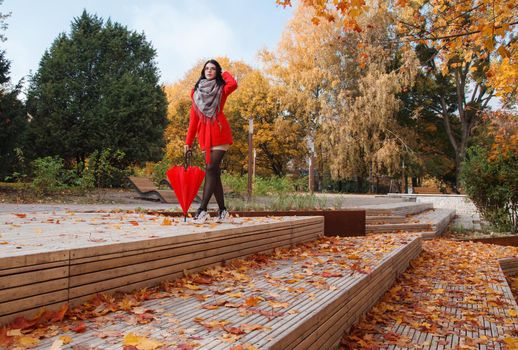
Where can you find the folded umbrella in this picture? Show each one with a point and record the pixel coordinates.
(186, 181)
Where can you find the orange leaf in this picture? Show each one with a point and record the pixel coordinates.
(234, 330)
(5, 340)
(59, 315)
(133, 222)
(252, 301)
(22, 323)
(202, 280)
(21, 215)
(79, 328)
(166, 222)
(328, 274)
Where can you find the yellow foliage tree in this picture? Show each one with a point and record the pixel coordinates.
(365, 138)
(304, 68)
(470, 44)
(341, 88)
(458, 30)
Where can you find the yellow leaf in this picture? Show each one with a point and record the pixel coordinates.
(66, 339)
(277, 304)
(28, 341)
(512, 313)
(14, 333)
(141, 343)
(166, 222)
(235, 295)
(512, 342)
(438, 291)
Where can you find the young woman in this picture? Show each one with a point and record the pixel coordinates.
(214, 136)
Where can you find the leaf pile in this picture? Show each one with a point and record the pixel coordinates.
(454, 295)
(260, 288)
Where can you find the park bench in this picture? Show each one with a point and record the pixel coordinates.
(148, 190)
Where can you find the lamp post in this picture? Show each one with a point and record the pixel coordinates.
(250, 156)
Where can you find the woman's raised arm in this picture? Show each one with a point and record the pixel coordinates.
(231, 83)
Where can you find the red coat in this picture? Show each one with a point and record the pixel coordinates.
(212, 133)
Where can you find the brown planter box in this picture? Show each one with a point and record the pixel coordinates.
(511, 241)
(336, 222)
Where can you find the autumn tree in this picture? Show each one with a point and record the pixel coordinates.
(303, 69)
(342, 87)
(276, 139)
(365, 137)
(97, 88)
(471, 43)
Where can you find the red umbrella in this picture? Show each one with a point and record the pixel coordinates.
(186, 181)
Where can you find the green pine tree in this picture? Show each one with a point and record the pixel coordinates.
(13, 119)
(97, 88)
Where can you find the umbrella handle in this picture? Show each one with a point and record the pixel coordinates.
(187, 159)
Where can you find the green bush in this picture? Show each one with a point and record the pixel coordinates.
(106, 169)
(160, 169)
(492, 184)
(48, 174)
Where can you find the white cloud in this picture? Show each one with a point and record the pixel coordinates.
(183, 35)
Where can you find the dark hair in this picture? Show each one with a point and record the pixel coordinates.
(219, 77)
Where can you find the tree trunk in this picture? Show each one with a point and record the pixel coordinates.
(311, 184)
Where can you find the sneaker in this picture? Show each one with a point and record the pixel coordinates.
(223, 216)
(201, 217)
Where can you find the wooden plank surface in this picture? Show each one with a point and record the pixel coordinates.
(121, 260)
(305, 297)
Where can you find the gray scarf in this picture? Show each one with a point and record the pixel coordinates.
(207, 97)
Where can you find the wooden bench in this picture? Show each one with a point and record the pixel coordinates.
(147, 190)
(426, 190)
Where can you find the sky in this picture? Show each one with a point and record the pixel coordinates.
(181, 31)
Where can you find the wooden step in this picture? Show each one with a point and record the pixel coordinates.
(312, 319)
(406, 208)
(407, 227)
(64, 268)
(385, 219)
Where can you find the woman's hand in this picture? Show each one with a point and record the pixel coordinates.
(186, 148)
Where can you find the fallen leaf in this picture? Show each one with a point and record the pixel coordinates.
(140, 342)
(66, 339)
(253, 301)
(166, 222)
(277, 304)
(79, 327)
(14, 333)
(27, 341)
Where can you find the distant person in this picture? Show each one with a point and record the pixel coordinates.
(214, 135)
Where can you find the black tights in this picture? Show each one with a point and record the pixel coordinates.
(213, 181)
